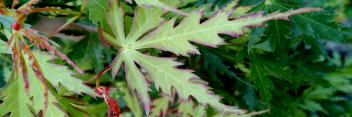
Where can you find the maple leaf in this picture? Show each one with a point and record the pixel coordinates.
(164, 35)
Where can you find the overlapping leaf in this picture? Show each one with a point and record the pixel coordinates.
(60, 76)
(163, 71)
(160, 106)
(56, 75)
(159, 4)
(28, 105)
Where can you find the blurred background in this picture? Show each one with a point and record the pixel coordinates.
(306, 62)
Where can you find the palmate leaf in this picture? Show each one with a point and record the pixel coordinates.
(163, 71)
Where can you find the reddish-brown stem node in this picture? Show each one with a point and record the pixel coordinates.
(97, 77)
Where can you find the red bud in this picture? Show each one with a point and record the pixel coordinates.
(15, 25)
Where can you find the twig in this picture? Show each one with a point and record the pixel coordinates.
(55, 10)
(98, 76)
(63, 26)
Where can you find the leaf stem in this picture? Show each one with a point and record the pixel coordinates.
(98, 76)
(65, 25)
(55, 10)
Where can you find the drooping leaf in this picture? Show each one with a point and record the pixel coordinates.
(60, 76)
(163, 71)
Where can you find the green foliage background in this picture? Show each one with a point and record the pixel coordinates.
(298, 68)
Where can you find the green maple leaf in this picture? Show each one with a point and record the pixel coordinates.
(164, 35)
